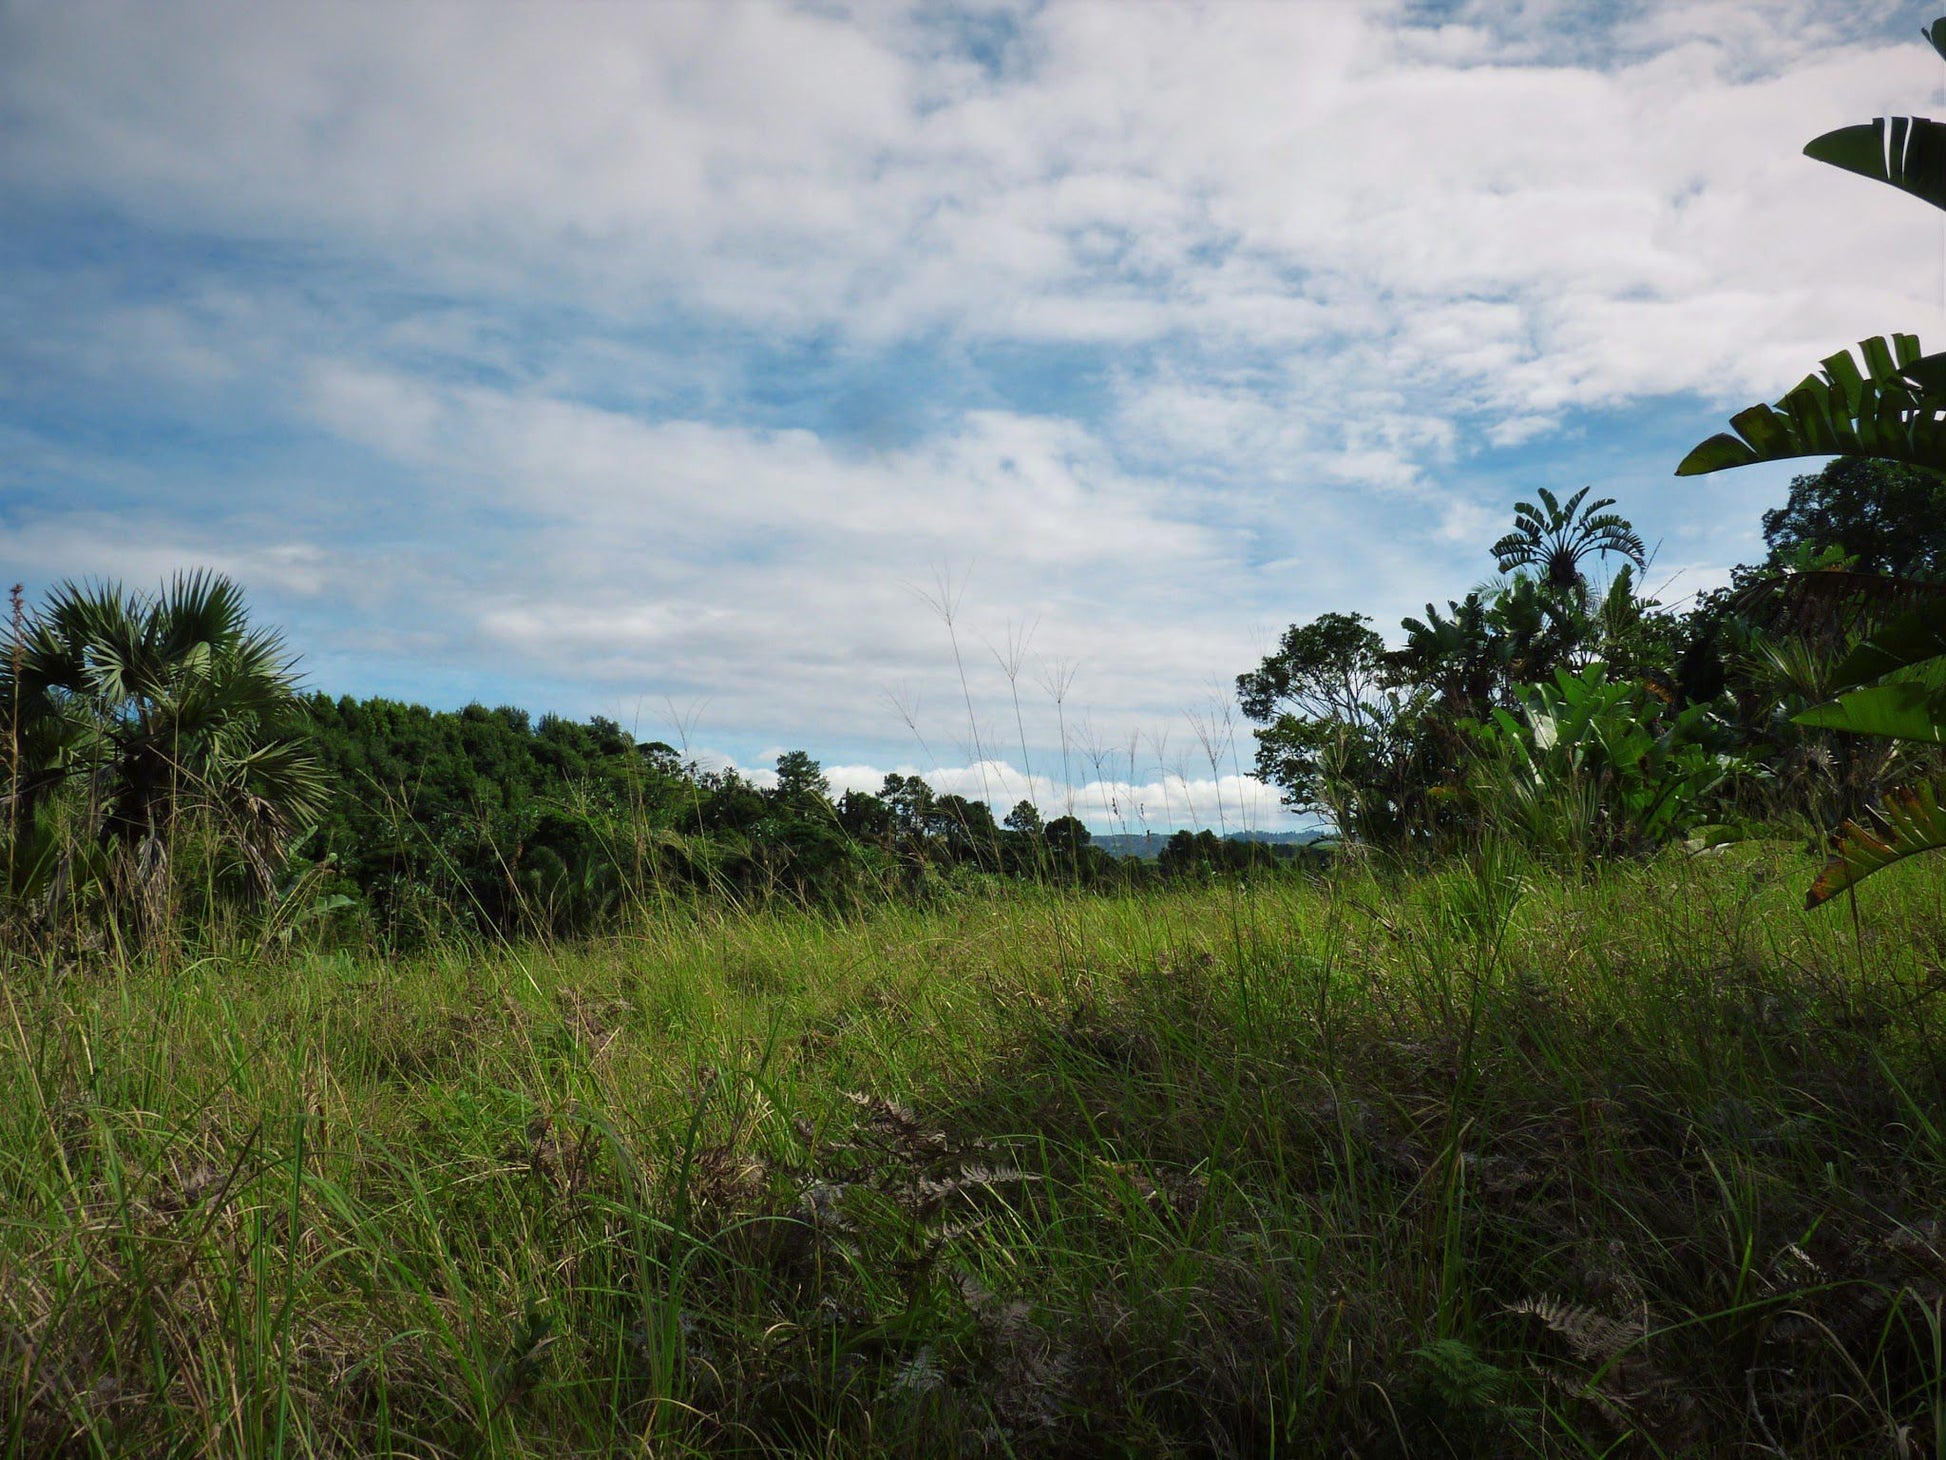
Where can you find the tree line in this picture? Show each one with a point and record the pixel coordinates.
(165, 774)
(493, 819)
(164, 770)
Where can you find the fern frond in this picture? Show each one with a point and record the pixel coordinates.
(1591, 1335)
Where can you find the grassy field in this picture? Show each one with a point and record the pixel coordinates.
(1482, 1162)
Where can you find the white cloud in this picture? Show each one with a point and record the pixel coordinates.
(790, 578)
(1162, 800)
(1157, 169)
(518, 335)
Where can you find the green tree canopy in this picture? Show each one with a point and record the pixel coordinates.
(1888, 517)
(1327, 669)
(800, 781)
(1068, 834)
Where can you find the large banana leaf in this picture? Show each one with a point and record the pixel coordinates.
(1907, 152)
(1894, 684)
(1912, 822)
(1880, 410)
(1909, 707)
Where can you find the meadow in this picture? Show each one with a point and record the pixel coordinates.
(1477, 1160)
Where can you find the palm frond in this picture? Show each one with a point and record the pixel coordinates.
(199, 607)
(136, 711)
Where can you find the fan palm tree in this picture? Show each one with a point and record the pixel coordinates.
(1555, 538)
(135, 715)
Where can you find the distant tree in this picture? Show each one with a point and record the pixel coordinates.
(800, 780)
(729, 803)
(487, 817)
(969, 830)
(1328, 669)
(1198, 856)
(660, 757)
(1556, 538)
(1319, 698)
(1025, 818)
(865, 817)
(910, 800)
(1068, 833)
(1886, 516)
(1188, 854)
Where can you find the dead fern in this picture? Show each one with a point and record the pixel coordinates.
(1592, 1337)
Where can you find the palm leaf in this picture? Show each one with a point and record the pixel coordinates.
(1883, 410)
(1894, 684)
(199, 607)
(1911, 822)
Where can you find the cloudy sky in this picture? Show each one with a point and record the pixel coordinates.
(693, 365)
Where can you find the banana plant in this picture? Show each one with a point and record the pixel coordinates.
(1892, 685)
(1888, 403)
(1892, 407)
(1908, 706)
(1599, 763)
(1907, 152)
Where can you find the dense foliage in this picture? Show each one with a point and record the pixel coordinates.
(1885, 517)
(490, 820)
(1586, 719)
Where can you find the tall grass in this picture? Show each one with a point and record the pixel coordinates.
(1468, 1162)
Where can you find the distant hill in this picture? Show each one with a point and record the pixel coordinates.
(1148, 845)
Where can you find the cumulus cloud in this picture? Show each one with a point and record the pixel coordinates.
(1152, 800)
(1258, 172)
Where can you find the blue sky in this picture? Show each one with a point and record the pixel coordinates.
(663, 361)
